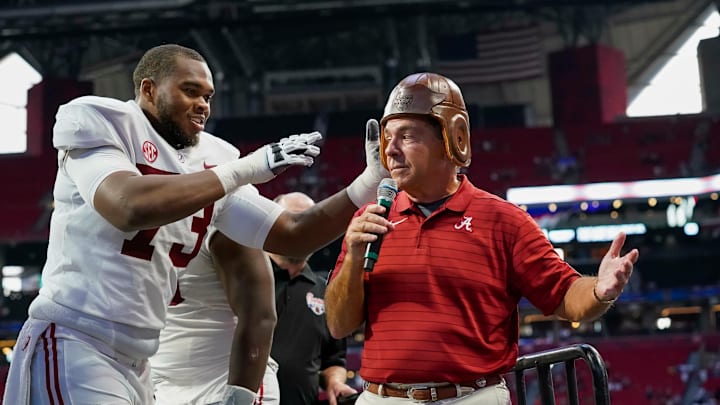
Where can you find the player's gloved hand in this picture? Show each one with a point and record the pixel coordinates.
(237, 395)
(269, 160)
(363, 189)
(293, 150)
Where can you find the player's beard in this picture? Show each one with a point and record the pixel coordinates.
(169, 128)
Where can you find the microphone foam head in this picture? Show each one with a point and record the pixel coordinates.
(387, 189)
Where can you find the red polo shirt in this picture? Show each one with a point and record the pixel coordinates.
(442, 299)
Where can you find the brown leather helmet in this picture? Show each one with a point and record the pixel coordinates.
(435, 95)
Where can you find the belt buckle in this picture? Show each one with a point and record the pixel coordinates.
(481, 382)
(411, 394)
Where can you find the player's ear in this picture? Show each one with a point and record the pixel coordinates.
(148, 90)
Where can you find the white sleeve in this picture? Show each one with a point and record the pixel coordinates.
(87, 168)
(80, 125)
(246, 217)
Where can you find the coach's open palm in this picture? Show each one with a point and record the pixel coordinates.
(615, 270)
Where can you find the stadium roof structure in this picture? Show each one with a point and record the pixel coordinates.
(69, 38)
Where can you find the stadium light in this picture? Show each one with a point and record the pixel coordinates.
(594, 233)
(691, 229)
(663, 323)
(545, 195)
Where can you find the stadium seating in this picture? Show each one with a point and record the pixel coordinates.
(26, 199)
(4, 369)
(629, 149)
(641, 370)
(652, 366)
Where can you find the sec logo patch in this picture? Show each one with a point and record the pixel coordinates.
(150, 151)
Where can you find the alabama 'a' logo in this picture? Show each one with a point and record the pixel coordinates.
(150, 151)
(466, 224)
(317, 305)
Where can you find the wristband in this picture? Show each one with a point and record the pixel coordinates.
(363, 189)
(237, 395)
(598, 299)
(251, 169)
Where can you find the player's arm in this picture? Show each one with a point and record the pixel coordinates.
(300, 234)
(247, 278)
(253, 220)
(131, 201)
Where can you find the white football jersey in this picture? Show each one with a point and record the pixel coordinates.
(95, 269)
(191, 365)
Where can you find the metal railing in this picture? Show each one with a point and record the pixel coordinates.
(542, 361)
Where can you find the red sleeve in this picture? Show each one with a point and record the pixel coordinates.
(539, 273)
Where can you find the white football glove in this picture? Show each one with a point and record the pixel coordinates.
(294, 150)
(269, 160)
(363, 189)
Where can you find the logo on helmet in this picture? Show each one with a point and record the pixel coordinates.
(402, 102)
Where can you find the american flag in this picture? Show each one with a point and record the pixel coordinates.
(510, 54)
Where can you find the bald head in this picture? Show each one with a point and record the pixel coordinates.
(292, 202)
(295, 202)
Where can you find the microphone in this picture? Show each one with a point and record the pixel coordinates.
(386, 193)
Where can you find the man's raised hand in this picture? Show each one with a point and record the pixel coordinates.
(362, 189)
(269, 160)
(372, 150)
(295, 150)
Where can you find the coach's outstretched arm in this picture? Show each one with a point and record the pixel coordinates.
(345, 293)
(589, 297)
